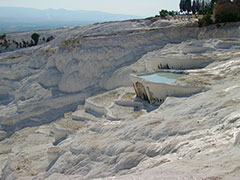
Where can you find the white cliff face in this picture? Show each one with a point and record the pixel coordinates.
(186, 137)
(40, 83)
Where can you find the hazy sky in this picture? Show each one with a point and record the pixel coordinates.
(131, 7)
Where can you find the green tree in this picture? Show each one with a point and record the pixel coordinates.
(16, 44)
(35, 37)
(205, 21)
(6, 44)
(24, 43)
(197, 6)
(194, 7)
(2, 36)
(212, 4)
(163, 13)
(202, 6)
(227, 11)
(182, 5)
(171, 13)
(188, 6)
(49, 38)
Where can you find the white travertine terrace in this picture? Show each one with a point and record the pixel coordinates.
(194, 137)
(155, 93)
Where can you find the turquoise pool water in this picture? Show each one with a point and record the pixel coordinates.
(163, 77)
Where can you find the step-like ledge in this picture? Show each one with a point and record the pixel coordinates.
(155, 92)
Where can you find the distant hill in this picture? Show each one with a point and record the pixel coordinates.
(21, 19)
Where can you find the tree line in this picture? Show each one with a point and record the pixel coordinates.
(35, 38)
(219, 11)
(197, 6)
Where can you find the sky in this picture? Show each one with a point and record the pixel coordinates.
(128, 7)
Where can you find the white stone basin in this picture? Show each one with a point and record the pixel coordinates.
(155, 87)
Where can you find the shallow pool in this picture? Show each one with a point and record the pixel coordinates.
(163, 77)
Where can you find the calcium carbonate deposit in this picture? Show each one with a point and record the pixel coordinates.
(68, 109)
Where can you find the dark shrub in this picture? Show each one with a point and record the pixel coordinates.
(227, 17)
(163, 13)
(49, 38)
(218, 25)
(35, 37)
(227, 11)
(2, 36)
(205, 21)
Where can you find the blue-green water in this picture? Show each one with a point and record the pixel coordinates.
(163, 77)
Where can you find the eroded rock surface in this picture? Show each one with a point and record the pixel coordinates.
(39, 84)
(195, 137)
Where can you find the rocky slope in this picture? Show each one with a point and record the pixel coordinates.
(194, 137)
(40, 83)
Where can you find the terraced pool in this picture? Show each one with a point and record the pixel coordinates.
(163, 77)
